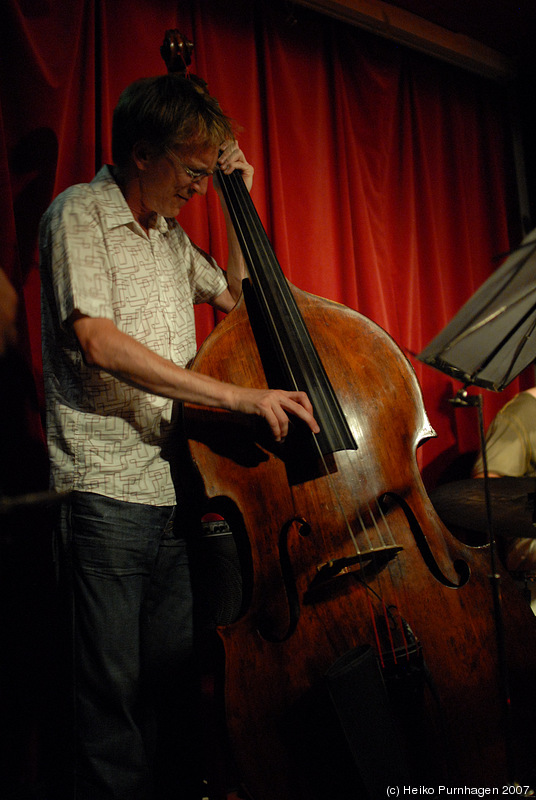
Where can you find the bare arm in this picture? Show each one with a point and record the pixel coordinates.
(232, 158)
(105, 346)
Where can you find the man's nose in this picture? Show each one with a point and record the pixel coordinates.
(201, 186)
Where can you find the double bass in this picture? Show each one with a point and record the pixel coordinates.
(363, 661)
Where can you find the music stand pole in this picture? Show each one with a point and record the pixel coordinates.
(465, 400)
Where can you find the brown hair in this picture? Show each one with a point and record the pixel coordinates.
(164, 111)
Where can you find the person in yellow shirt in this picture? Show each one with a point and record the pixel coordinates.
(511, 452)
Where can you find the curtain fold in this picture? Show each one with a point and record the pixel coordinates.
(382, 176)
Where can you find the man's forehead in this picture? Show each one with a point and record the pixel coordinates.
(208, 155)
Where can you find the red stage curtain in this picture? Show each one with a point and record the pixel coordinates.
(382, 176)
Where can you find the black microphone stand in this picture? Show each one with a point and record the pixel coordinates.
(488, 343)
(464, 400)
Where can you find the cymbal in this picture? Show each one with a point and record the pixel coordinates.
(463, 504)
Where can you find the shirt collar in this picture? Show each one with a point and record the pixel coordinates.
(116, 211)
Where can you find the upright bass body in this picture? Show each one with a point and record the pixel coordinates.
(365, 655)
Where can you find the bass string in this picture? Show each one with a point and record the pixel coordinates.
(253, 239)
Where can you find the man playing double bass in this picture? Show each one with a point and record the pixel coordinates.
(120, 278)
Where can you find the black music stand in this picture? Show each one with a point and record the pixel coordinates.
(493, 336)
(488, 343)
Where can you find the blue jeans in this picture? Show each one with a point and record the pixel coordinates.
(133, 668)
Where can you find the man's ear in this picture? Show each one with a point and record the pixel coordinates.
(142, 153)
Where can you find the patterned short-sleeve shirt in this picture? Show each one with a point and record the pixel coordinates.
(104, 435)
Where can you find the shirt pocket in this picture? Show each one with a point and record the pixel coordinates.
(131, 298)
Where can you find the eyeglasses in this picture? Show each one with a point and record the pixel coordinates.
(194, 175)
